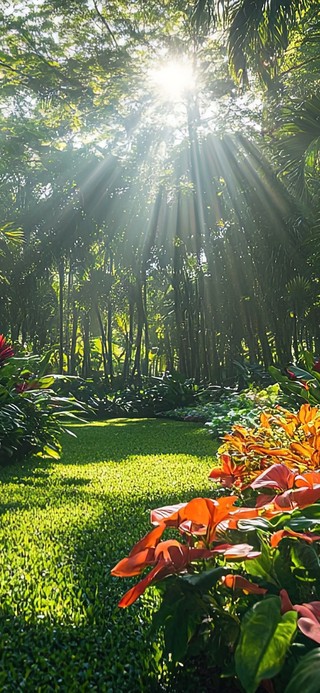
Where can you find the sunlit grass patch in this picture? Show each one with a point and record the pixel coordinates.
(63, 526)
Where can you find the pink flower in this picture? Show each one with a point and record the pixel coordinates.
(6, 351)
(308, 616)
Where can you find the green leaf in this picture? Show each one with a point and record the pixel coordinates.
(204, 581)
(262, 566)
(49, 451)
(308, 360)
(181, 612)
(264, 641)
(253, 525)
(306, 675)
(305, 559)
(179, 629)
(300, 373)
(46, 381)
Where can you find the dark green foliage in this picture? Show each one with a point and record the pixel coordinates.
(32, 416)
(148, 397)
(306, 674)
(300, 382)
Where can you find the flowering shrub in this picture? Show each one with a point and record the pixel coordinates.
(240, 582)
(32, 418)
(282, 436)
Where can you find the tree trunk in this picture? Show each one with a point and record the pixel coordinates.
(145, 368)
(109, 340)
(72, 364)
(61, 313)
(103, 343)
(86, 365)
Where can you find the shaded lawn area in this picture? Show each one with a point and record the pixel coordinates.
(63, 526)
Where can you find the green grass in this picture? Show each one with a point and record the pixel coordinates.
(63, 526)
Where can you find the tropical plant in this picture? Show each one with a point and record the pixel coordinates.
(239, 585)
(226, 408)
(258, 32)
(282, 436)
(244, 408)
(32, 417)
(300, 382)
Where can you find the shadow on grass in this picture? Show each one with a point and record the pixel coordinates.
(120, 439)
(113, 649)
(110, 650)
(43, 657)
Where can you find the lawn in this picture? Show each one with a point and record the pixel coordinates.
(64, 525)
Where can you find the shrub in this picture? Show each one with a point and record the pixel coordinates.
(282, 436)
(300, 382)
(32, 417)
(240, 583)
(146, 397)
(231, 408)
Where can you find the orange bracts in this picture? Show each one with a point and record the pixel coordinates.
(283, 438)
(237, 582)
(199, 520)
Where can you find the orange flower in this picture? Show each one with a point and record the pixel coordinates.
(237, 582)
(199, 516)
(289, 533)
(230, 474)
(168, 557)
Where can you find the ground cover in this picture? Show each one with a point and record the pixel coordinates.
(63, 526)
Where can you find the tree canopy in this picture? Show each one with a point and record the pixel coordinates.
(159, 183)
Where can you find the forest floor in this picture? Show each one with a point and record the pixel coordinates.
(64, 525)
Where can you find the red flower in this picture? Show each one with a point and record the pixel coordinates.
(316, 366)
(290, 500)
(278, 476)
(308, 616)
(297, 498)
(6, 351)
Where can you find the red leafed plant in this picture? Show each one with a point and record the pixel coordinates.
(240, 582)
(6, 350)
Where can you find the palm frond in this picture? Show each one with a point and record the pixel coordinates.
(10, 233)
(258, 30)
(300, 144)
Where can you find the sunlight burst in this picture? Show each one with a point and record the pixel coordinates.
(173, 80)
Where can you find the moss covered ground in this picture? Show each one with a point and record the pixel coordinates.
(63, 526)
